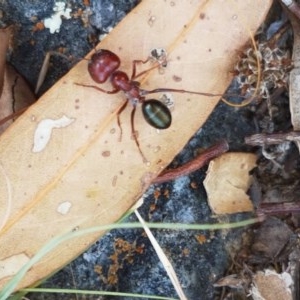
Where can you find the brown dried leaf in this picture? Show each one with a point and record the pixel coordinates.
(227, 182)
(15, 94)
(232, 281)
(4, 38)
(270, 238)
(269, 285)
(65, 165)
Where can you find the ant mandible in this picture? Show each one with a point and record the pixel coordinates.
(104, 65)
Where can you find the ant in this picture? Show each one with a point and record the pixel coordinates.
(105, 64)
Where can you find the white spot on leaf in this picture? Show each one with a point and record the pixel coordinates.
(64, 207)
(11, 265)
(44, 129)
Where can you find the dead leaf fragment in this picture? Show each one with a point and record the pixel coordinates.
(294, 82)
(270, 238)
(227, 182)
(232, 281)
(270, 285)
(15, 94)
(4, 38)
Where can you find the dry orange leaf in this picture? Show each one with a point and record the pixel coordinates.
(227, 182)
(62, 164)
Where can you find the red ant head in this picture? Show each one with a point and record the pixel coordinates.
(103, 63)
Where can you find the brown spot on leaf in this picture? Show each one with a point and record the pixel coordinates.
(114, 180)
(177, 78)
(106, 153)
(202, 16)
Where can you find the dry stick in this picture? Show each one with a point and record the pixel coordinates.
(293, 7)
(195, 164)
(262, 139)
(13, 115)
(278, 208)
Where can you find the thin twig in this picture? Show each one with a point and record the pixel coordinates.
(262, 139)
(293, 7)
(278, 208)
(13, 115)
(195, 164)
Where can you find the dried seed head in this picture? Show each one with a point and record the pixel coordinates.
(274, 63)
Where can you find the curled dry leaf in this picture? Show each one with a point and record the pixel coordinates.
(83, 175)
(227, 182)
(15, 93)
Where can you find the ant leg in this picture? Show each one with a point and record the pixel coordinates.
(158, 55)
(134, 133)
(118, 117)
(135, 76)
(134, 63)
(98, 89)
(161, 90)
(144, 72)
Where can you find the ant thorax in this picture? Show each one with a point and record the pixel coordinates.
(133, 100)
